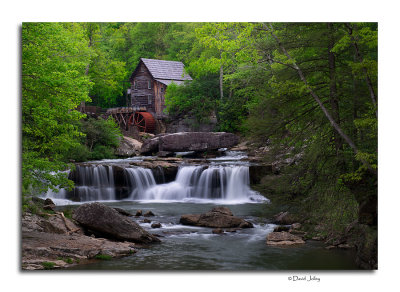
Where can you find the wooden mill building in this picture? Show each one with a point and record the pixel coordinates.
(146, 95)
(149, 81)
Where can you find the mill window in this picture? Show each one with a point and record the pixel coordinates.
(149, 84)
(149, 97)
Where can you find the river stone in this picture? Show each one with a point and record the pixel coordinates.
(232, 230)
(109, 223)
(148, 214)
(222, 210)
(297, 232)
(283, 238)
(49, 205)
(218, 231)
(189, 141)
(156, 225)
(48, 201)
(219, 217)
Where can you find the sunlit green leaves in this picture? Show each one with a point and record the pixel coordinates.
(106, 69)
(54, 57)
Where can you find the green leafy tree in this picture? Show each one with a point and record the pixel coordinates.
(101, 138)
(105, 70)
(197, 98)
(54, 58)
(220, 49)
(312, 97)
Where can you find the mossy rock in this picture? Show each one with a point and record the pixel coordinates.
(48, 265)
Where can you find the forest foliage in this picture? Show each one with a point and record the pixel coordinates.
(308, 88)
(57, 64)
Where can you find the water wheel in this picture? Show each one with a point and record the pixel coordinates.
(144, 121)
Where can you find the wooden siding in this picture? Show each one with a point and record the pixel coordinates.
(159, 90)
(140, 91)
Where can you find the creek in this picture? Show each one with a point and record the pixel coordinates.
(195, 189)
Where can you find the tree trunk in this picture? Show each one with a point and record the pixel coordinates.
(221, 79)
(90, 35)
(333, 98)
(360, 59)
(317, 99)
(355, 104)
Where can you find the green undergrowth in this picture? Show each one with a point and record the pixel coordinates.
(35, 206)
(99, 140)
(48, 265)
(103, 257)
(67, 260)
(324, 211)
(68, 211)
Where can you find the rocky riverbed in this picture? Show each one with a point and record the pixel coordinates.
(185, 195)
(186, 236)
(50, 240)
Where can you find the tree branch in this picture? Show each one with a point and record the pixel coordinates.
(317, 99)
(360, 59)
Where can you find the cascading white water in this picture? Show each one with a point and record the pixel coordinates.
(228, 183)
(140, 179)
(179, 189)
(94, 183)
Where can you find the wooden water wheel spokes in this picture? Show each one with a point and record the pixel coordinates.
(144, 121)
(140, 122)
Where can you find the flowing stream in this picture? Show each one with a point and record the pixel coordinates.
(195, 189)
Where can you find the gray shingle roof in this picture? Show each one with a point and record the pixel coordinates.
(166, 70)
(168, 82)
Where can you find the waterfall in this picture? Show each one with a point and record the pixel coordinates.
(229, 183)
(181, 188)
(139, 179)
(94, 183)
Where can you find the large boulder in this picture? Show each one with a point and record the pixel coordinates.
(106, 221)
(128, 147)
(189, 141)
(219, 217)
